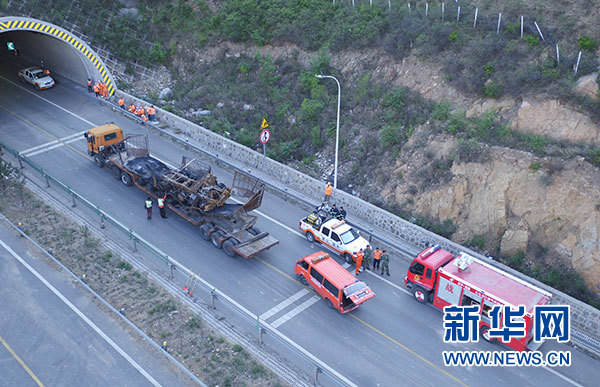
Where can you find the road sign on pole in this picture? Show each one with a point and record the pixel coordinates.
(264, 124)
(265, 135)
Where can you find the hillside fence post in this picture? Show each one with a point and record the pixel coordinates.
(499, 20)
(521, 27)
(458, 15)
(577, 64)
(539, 31)
(475, 18)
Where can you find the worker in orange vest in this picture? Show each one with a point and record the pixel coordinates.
(161, 206)
(89, 85)
(97, 89)
(131, 108)
(103, 89)
(376, 258)
(151, 112)
(359, 261)
(328, 191)
(122, 103)
(141, 110)
(144, 118)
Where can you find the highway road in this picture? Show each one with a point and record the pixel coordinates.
(389, 341)
(54, 332)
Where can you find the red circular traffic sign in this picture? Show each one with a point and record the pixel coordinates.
(265, 135)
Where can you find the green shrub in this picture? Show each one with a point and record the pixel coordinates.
(389, 135)
(315, 135)
(489, 69)
(534, 166)
(441, 111)
(531, 40)
(594, 156)
(492, 89)
(394, 99)
(311, 109)
(478, 241)
(124, 265)
(157, 53)
(516, 260)
(587, 44)
(453, 37)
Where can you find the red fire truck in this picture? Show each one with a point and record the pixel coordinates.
(435, 275)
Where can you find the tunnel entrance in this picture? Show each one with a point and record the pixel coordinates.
(37, 42)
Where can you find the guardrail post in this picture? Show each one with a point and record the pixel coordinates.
(20, 161)
(74, 203)
(261, 331)
(213, 296)
(102, 221)
(47, 179)
(171, 275)
(370, 235)
(317, 372)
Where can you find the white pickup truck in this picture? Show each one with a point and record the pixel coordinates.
(35, 76)
(336, 235)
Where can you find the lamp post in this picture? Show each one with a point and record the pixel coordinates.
(337, 130)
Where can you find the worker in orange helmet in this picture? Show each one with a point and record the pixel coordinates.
(142, 111)
(359, 261)
(122, 103)
(328, 191)
(97, 89)
(131, 108)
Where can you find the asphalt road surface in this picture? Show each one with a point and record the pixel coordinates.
(54, 333)
(390, 340)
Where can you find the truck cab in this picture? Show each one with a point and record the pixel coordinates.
(102, 141)
(422, 272)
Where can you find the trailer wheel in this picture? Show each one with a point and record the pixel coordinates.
(116, 172)
(421, 295)
(99, 160)
(126, 179)
(310, 237)
(347, 258)
(215, 238)
(254, 231)
(205, 231)
(484, 331)
(228, 247)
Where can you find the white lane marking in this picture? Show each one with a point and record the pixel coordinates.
(563, 377)
(284, 304)
(51, 143)
(62, 143)
(295, 311)
(81, 315)
(50, 102)
(345, 265)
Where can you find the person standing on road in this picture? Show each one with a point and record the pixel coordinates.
(151, 112)
(97, 89)
(122, 103)
(367, 260)
(359, 261)
(148, 206)
(89, 85)
(385, 263)
(376, 258)
(161, 206)
(328, 191)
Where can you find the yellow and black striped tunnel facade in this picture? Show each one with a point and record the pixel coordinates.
(27, 24)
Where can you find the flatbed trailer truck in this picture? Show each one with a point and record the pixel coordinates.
(192, 192)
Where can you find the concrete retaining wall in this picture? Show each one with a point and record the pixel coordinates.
(383, 223)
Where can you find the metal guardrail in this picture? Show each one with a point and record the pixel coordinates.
(172, 264)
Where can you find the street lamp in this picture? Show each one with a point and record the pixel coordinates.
(337, 130)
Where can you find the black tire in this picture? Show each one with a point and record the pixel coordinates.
(99, 160)
(205, 231)
(421, 295)
(254, 231)
(215, 238)
(37, 87)
(484, 332)
(126, 179)
(228, 247)
(348, 258)
(329, 303)
(310, 237)
(302, 279)
(116, 172)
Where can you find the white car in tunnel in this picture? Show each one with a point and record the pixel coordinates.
(35, 76)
